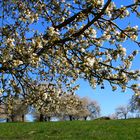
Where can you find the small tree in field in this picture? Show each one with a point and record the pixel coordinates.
(45, 102)
(15, 109)
(94, 109)
(70, 106)
(60, 41)
(135, 105)
(122, 111)
(2, 112)
(89, 108)
(83, 111)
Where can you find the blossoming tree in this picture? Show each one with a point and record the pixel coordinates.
(135, 104)
(59, 41)
(122, 111)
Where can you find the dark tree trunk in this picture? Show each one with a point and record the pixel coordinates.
(125, 116)
(7, 120)
(12, 118)
(45, 118)
(85, 118)
(41, 118)
(49, 118)
(70, 117)
(22, 117)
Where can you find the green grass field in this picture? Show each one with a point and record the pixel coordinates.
(75, 130)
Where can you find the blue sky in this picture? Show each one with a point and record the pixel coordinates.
(107, 99)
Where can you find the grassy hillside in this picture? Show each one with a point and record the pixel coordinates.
(75, 130)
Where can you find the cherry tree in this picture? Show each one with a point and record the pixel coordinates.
(58, 105)
(122, 111)
(135, 104)
(60, 41)
(13, 109)
(83, 111)
(74, 107)
(69, 106)
(2, 112)
(48, 100)
(94, 109)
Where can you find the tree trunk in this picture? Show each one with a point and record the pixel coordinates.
(49, 118)
(22, 117)
(125, 116)
(70, 117)
(12, 118)
(45, 119)
(7, 120)
(41, 118)
(85, 118)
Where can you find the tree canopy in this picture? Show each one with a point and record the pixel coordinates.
(57, 42)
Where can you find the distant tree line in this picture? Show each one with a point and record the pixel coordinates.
(63, 107)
